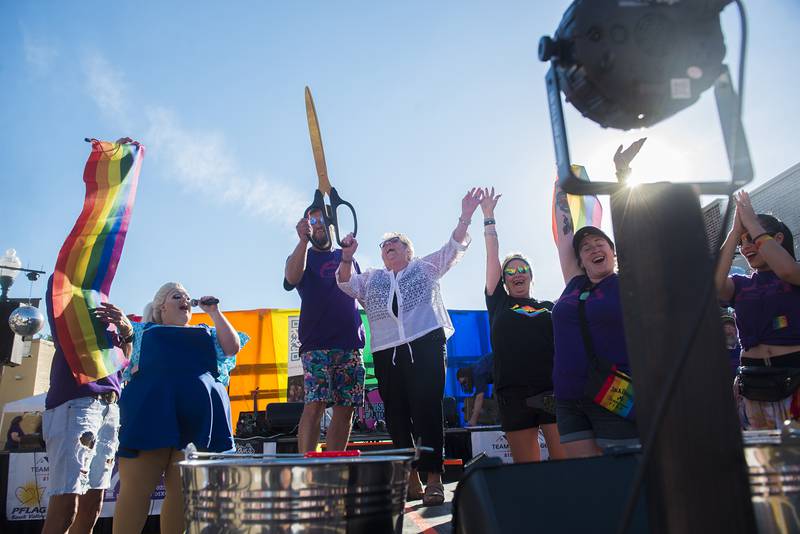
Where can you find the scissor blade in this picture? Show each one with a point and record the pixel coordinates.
(316, 144)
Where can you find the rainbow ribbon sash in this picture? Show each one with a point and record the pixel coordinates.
(89, 257)
(585, 210)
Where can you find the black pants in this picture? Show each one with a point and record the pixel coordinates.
(412, 395)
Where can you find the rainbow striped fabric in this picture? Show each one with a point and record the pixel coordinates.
(585, 210)
(89, 257)
(616, 393)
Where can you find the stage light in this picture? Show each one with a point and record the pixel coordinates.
(633, 63)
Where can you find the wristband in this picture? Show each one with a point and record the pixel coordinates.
(763, 238)
(488, 220)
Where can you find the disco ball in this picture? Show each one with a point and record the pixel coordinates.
(26, 320)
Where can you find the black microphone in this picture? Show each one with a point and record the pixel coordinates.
(208, 302)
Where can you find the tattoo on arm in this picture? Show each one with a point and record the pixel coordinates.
(566, 225)
(561, 201)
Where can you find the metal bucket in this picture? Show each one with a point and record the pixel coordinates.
(773, 460)
(250, 495)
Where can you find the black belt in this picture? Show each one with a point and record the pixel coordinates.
(108, 397)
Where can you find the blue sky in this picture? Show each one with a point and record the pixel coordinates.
(417, 102)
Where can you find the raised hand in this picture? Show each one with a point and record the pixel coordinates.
(746, 214)
(623, 158)
(107, 313)
(349, 247)
(489, 201)
(208, 308)
(470, 203)
(303, 230)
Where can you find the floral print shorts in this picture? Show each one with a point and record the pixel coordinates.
(334, 376)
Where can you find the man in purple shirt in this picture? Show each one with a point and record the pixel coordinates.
(80, 426)
(331, 337)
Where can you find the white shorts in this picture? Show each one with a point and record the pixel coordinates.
(81, 436)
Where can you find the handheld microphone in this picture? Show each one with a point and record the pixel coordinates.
(208, 302)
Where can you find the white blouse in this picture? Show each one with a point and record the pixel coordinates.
(419, 298)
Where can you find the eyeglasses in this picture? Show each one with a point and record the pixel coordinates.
(522, 269)
(316, 220)
(390, 241)
(747, 240)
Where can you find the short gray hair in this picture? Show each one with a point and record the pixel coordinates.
(403, 239)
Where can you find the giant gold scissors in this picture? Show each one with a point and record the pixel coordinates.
(329, 215)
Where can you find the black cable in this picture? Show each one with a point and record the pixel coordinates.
(675, 372)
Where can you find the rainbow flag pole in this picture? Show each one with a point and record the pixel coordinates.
(89, 257)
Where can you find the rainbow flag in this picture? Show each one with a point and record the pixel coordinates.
(89, 257)
(585, 210)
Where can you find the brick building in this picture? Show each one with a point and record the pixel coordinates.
(780, 197)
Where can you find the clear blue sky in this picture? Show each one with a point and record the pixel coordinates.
(417, 102)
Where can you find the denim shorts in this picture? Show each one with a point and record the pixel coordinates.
(335, 377)
(583, 419)
(81, 436)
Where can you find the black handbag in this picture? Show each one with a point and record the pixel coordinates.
(768, 384)
(607, 386)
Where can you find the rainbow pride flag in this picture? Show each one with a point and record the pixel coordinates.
(585, 210)
(89, 257)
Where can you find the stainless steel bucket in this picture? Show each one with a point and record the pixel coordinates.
(773, 460)
(295, 495)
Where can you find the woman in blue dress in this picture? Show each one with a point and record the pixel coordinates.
(175, 395)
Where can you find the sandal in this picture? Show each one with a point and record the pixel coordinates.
(434, 495)
(414, 492)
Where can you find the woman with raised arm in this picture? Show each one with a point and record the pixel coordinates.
(175, 395)
(409, 325)
(588, 312)
(522, 342)
(767, 305)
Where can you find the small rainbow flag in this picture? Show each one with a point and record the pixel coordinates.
(585, 210)
(89, 257)
(779, 322)
(616, 393)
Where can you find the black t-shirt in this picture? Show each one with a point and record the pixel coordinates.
(522, 342)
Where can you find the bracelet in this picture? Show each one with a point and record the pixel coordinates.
(488, 220)
(462, 221)
(764, 238)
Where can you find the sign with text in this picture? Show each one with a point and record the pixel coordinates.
(28, 482)
(494, 443)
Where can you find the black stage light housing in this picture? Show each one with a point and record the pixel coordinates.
(633, 63)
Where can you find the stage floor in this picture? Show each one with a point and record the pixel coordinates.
(430, 519)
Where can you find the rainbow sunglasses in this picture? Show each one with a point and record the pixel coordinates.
(522, 269)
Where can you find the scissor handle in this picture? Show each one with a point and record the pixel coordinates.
(319, 205)
(337, 201)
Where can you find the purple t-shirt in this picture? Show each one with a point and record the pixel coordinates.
(767, 310)
(63, 386)
(329, 319)
(604, 314)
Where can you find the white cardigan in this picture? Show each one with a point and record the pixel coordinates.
(419, 297)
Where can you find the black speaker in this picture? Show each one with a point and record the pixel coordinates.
(585, 495)
(450, 412)
(251, 424)
(284, 416)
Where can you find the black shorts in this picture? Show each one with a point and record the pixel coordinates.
(515, 414)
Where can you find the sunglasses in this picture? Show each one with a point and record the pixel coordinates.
(316, 220)
(522, 269)
(390, 241)
(747, 240)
